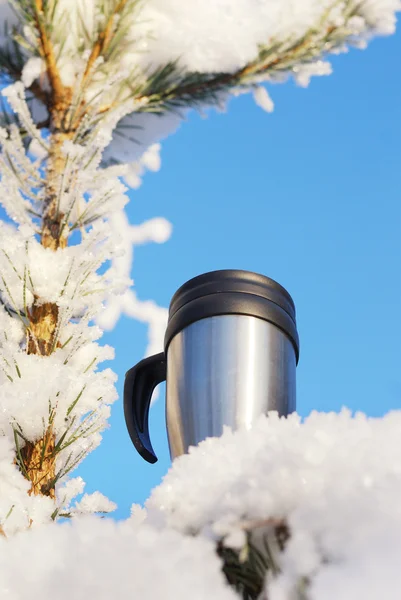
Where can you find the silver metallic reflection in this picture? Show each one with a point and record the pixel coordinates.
(226, 370)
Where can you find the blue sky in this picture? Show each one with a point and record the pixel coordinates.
(308, 195)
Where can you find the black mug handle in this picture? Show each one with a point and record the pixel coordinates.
(140, 381)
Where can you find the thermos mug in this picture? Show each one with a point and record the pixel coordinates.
(230, 354)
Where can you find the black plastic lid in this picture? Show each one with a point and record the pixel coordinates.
(232, 292)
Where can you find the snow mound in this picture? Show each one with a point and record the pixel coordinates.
(98, 559)
(336, 481)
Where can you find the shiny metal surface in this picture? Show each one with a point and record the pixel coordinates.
(226, 370)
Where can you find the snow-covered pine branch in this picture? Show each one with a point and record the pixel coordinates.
(155, 51)
(89, 87)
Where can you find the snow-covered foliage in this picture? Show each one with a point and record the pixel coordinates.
(204, 36)
(20, 510)
(234, 30)
(64, 390)
(335, 480)
(89, 88)
(104, 560)
(168, 40)
(155, 230)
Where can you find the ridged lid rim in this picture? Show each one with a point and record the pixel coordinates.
(232, 280)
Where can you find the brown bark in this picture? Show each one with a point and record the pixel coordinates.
(52, 236)
(43, 322)
(39, 461)
(47, 52)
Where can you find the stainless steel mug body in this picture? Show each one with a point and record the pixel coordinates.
(230, 354)
(226, 370)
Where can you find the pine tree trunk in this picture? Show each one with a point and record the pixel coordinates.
(39, 457)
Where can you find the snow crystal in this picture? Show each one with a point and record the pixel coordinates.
(138, 515)
(304, 73)
(32, 70)
(235, 539)
(70, 489)
(11, 330)
(262, 99)
(336, 481)
(154, 230)
(150, 160)
(91, 558)
(36, 150)
(93, 503)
